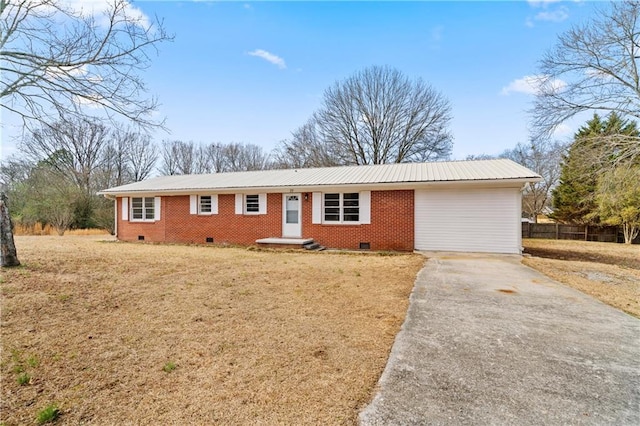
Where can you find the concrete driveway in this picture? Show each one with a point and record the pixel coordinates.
(490, 341)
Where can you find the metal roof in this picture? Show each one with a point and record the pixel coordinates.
(407, 174)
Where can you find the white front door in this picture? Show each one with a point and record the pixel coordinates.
(291, 216)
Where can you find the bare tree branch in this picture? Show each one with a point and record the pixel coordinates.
(593, 66)
(545, 158)
(74, 147)
(304, 149)
(182, 158)
(56, 60)
(375, 116)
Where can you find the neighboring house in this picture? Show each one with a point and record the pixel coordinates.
(472, 206)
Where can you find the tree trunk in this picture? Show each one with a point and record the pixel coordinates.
(630, 232)
(9, 256)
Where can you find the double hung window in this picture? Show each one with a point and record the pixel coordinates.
(252, 203)
(142, 208)
(205, 204)
(342, 207)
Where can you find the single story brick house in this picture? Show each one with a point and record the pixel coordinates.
(470, 206)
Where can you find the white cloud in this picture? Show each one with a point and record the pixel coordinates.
(97, 8)
(532, 85)
(557, 15)
(541, 3)
(548, 13)
(269, 57)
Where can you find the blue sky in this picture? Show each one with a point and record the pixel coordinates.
(254, 71)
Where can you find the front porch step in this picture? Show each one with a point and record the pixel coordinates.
(286, 242)
(314, 246)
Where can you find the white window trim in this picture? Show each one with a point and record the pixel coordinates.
(241, 204)
(195, 204)
(364, 208)
(244, 205)
(156, 210)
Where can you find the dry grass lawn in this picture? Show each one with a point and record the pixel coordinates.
(256, 337)
(609, 272)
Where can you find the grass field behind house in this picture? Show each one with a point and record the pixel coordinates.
(39, 229)
(119, 333)
(607, 271)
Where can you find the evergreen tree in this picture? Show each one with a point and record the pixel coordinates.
(574, 197)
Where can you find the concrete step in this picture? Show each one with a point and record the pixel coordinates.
(314, 247)
(276, 242)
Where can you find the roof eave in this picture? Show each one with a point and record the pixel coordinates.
(498, 182)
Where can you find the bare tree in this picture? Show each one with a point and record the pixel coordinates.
(115, 170)
(304, 149)
(594, 67)
(483, 156)
(13, 171)
(56, 198)
(186, 155)
(202, 162)
(246, 157)
(77, 150)
(130, 156)
(380, 116)
(75, 147)
(215, 154)
(59, 60)
(141, 155)
(543, 157)
(178, 158)
(234, 157)
(181, 158)
(168, 161)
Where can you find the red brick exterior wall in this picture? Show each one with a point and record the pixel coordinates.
(129, 231)
(391, 225)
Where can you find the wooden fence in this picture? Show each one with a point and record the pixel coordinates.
(557, 231)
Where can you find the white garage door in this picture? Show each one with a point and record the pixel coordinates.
(471, 220)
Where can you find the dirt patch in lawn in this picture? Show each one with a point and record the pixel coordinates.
(610, 272)
(156, 334)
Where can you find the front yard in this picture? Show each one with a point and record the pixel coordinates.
(607, 271)
(117, 333)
